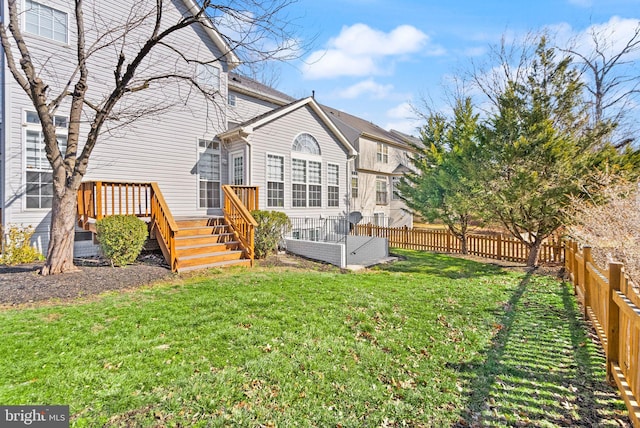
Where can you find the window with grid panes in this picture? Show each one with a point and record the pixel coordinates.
(275, 181)
(333, 185)
(381, 190)
(45, 21)
(208, 168)
(39, 174)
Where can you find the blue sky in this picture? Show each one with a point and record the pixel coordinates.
(376, 58)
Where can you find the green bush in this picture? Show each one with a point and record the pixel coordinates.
(17, 248)
(121, 238)
(270, 231)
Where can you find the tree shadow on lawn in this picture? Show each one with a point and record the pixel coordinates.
(542, 368)
(439, 264)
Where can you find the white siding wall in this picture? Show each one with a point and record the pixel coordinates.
(247, 107)
(277, 137)
(161, 147)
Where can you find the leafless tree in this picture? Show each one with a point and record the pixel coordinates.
(143, 45)
(613, 77)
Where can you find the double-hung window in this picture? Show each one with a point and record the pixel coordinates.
(275, 181)
(354, 184)
(333, 185)
(45, 21)
(39, 174)
(208, 167)
(381, 190)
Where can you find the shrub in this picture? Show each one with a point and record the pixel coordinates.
(270, 231)
(121, 238)
(17, 246)
(610, 224)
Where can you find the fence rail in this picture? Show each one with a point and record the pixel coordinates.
(610, 300)
(497, 246)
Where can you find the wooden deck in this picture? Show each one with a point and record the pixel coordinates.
(187, 243)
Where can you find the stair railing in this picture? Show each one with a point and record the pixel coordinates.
(238, 217)
(164, 226)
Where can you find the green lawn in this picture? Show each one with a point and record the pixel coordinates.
(428, 341)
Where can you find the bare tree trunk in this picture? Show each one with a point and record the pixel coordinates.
(534, 253)
(61, 237)
(463, 244)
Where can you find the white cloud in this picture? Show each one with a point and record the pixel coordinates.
(369, 86)
(360, 50)
(403, 118)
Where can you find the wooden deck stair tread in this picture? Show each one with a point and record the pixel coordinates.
(203, 243)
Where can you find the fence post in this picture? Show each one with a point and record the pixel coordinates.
(586, 252)
(499, 244)
(613, 322)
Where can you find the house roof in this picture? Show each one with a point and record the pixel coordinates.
(252, 87)
(355, 127)
(246, 128)
(231, 58)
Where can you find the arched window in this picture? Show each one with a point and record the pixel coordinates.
(305, 143)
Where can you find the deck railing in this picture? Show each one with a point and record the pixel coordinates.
(248, 195)
(238, 216)
(612, 303)
(99, 199)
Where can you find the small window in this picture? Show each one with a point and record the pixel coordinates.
(383, 153)
(231, 99)
(45, 21)
(395, 195)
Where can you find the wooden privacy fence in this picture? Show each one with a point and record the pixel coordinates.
(497, 246)
(611, 302)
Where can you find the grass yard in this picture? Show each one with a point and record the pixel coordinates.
(428, 341)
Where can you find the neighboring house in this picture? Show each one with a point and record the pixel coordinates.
(383, 159)
(302, 157)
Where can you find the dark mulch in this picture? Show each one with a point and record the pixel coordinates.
(23, 284)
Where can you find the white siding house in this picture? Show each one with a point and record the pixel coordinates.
(172, 141)
(298, 157)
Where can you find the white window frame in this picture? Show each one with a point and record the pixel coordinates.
(55, 17)
(211, 147)
(272, 179)
(31, 125)
(385, 181)
(333, 186)
(308, 186)
(382, 153)
(395, 180)
(355, 182)
(233, 176)
(231, 99)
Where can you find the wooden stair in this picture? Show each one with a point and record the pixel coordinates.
(203, 243)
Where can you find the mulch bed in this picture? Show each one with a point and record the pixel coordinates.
(20, 285)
